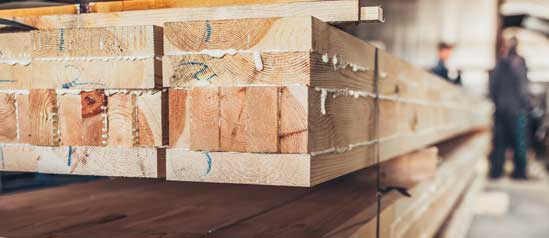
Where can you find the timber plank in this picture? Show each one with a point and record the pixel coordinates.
(121, 116)
(8, 118)
(43, 118)
(84, 160)
(15, 57)
(240, 69)
(23, 111)
(294, 127)
(179, 127)
(204, 119)
(262, 119)
(94, 104)
(152, 118)
(99, 42)
(345, 10)
(70, 118)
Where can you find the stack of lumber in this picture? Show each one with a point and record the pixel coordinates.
(83, 101)
(344, 207)
(293, 101)
(207, 93)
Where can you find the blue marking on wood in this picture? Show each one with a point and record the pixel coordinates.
(69, 157)
(208, 31)
(61, 39)
(209, 158)
(77, 83)
(7, 81)
(200, 71)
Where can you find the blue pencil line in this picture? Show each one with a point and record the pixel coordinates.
(76, 83)
(209, 158)
(208, 31)
(200, 71)
(61, 39)
(69, 159)
(7, 81)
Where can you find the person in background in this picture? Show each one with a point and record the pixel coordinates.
(440, 69)
(509, 91)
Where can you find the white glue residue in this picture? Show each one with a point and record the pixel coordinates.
(24, 62)
(219, 53)
(325, 58)
(258, 62)
(323, 94)
(105, 58)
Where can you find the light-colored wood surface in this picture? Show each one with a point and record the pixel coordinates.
(23, 111)
(93, 112)
(82, 160)
(343, 10)
(118, 6)
(43, 117)
(71, 127)
(15, 57)
(136, 41)
(8, 118)
(243, 168)
(372, 14)
(111, 57)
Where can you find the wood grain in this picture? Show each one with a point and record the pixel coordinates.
(70, 119)
(84, 160)
(240, 69)
(345, 10)
(23, 109)
(93, 106)
(122, 120)
(179, 120)
(43, 117)
(8, 118)
(204, 119)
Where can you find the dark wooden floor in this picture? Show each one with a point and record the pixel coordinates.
(155, 208)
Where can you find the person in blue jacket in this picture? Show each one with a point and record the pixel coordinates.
(440, 69)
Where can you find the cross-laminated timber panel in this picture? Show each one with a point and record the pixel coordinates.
(320, 80)
(108, 57)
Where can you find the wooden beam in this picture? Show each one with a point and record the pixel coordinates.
(40, 11)
(372, 14)
(15, 57)
(84, 160)
(43, 117)
(119, 6)
(8, 118)
(342, 10)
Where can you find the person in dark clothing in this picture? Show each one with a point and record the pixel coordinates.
(440, 69)
(509, 92)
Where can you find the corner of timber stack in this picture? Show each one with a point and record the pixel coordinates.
(292, 101)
